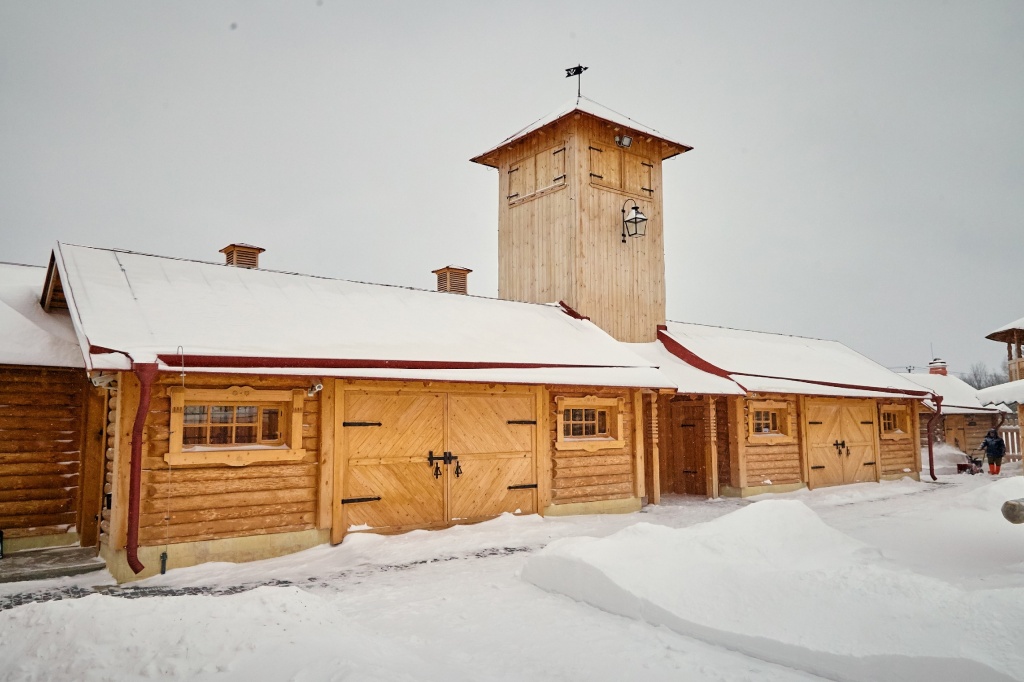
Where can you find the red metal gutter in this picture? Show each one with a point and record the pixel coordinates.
(227, 361)
(931, 423)
(146, 372)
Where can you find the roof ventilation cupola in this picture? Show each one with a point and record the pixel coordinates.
(242, 255)
(451, 279)
(937, 366)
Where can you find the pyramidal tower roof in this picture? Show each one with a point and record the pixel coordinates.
(588, 106)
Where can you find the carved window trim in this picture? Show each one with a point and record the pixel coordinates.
(894, 422)
(782, 413)
(236, 455)
(614, 407)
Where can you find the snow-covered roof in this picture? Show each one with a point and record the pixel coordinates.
(129, 305)
(587, 106)
(28, 334)
(1005, 333)
(958, 397)
(686, 377)
(775, 363)
(1011, 392)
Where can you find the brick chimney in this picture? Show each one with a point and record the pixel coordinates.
(937, 366)
(452, 279)
(242, 255)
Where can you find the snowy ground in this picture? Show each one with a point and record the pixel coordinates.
(728, 590)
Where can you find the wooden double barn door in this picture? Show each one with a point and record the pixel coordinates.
(842, 441)
(427, 460)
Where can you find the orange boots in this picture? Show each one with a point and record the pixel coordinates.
(993, 469)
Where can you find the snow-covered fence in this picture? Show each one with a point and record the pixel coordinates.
(1011, 436)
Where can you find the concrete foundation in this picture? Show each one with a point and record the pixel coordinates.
(626, 506)
(234, 550)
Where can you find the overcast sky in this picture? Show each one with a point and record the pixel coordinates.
(857, 173)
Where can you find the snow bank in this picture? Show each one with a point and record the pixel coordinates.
(946, 458)
(990, 498)
(773, 581)
(265, 634)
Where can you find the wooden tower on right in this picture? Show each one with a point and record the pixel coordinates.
(565, 185)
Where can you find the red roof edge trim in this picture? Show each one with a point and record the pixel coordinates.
(689, 357)
(100, 350)
(572, 313)
(176, 360)
(923, 395)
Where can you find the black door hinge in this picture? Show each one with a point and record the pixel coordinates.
(361, 424)
(354, 500)
(523, 486)
(522, 421)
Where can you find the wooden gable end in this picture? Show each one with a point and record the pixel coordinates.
(53, 290)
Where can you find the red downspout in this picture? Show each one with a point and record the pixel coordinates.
(146, 372)
(931, 424)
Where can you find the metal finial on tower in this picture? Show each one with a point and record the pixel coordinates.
(578, 72)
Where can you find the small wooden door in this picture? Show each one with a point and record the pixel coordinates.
(389, 482)
(689, 461)
(841, 442)
(824, 430)
(954, 431)
(492, 437)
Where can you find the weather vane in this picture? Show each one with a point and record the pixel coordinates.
(578, 72)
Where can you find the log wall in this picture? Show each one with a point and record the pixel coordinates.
(189, 503)
(42, 413)
(581, 476)
(901, 456)
(776, 463)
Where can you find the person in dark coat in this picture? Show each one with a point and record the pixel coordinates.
(994, 448)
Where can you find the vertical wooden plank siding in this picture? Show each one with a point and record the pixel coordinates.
(712, 446)
(41, 449)
(805, 466)
(654, 492)
(93, 447)
(127, 404)
(638, 440)
(544, 463)
(581, 476)
(559, 239)
(325, 489)
(340, 461)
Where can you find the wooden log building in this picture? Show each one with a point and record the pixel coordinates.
(51, 419)
(239, 413)
(808, 413)
(1010, 394)
(963, 420)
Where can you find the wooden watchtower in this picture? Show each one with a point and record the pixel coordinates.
(563, 184)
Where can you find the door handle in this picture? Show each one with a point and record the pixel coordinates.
(437, 471)
(458, 469)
